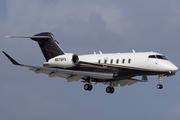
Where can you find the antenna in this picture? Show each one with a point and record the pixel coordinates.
(133, 51)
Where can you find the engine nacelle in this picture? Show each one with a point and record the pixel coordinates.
(67, 60)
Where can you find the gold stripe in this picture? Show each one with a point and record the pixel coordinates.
(123, 67)
(52, 51)
(45, 64)
(93, 66)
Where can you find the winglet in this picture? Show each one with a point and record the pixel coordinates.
(11, 59)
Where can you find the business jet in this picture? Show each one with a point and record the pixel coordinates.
(113, 70)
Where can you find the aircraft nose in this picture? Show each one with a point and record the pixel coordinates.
(169, 66)
(173, 68)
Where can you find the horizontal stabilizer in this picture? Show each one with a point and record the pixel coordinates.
(45, 37)
(47, 43)
(11, 59)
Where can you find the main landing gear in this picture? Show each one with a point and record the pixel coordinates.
(88, 87)
(110, 89)
(159, 86)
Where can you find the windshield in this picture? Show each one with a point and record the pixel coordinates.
(158, 57)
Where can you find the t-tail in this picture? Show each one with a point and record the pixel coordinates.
(49, 46)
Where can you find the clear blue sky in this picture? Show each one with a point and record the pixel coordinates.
(83, 27)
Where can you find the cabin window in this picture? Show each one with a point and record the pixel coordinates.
(105, 61)
(111, 61)
(99, 61)
(123, 61)
(129, 61)
(117, 61)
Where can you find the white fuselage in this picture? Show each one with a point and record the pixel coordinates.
(139, 61)
(151, 62)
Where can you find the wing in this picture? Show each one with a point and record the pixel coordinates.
(69, 75)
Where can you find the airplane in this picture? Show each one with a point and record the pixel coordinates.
(117, 69)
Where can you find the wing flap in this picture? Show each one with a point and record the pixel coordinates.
(124, 82)
(50, 72)
(70, 75)
(73, 78)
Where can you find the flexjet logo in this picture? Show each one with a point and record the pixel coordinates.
(60, 59)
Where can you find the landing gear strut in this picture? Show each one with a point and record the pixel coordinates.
(159, 86)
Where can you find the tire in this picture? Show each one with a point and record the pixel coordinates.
(159, 86)
(90, 87)
(86, 87)
(112, 90)
(108, 89)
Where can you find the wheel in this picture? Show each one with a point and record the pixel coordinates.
(86, 86)
(108, 89)
(112, 90)
(90, 87)
(159, 86)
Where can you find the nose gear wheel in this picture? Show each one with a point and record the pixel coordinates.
(159, 86)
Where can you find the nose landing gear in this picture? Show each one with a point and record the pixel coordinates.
(159, 86)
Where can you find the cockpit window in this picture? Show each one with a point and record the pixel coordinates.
(158, 57)
(161, 57)
(152, 56)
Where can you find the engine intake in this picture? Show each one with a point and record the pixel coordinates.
(75, 59)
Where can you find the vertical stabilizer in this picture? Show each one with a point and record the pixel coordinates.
(49, 45)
